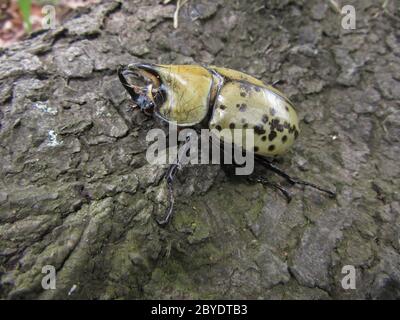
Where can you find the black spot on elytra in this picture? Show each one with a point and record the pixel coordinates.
(243, 94)
(264, 118)
(263, 138)
(276, 125)
(243, 107)
(237, 105)
(218, 127)
(245, 86)
(271, 147)
(272, 135)
(258, 129)
(284, 138)
(232, 125)
(222, 107)
(286, 125)
(245, 126)
(274, 122)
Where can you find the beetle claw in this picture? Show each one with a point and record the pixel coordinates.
(162, 222)
(331, 194)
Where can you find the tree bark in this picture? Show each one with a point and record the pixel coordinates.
(77, 193)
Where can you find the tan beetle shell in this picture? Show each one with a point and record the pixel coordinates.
(239, 101)
(245, 102)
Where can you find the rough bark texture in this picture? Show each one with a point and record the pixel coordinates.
(77, 193)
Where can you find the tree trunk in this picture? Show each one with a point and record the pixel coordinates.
(77, 193)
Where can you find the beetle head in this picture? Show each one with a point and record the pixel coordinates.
(173, 93)
(143, 85)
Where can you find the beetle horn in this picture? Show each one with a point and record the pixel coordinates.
(142, 83)
(122, 70)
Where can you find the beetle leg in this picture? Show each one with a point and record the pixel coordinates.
(268, 164)
(169, 175)
(266, 182)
